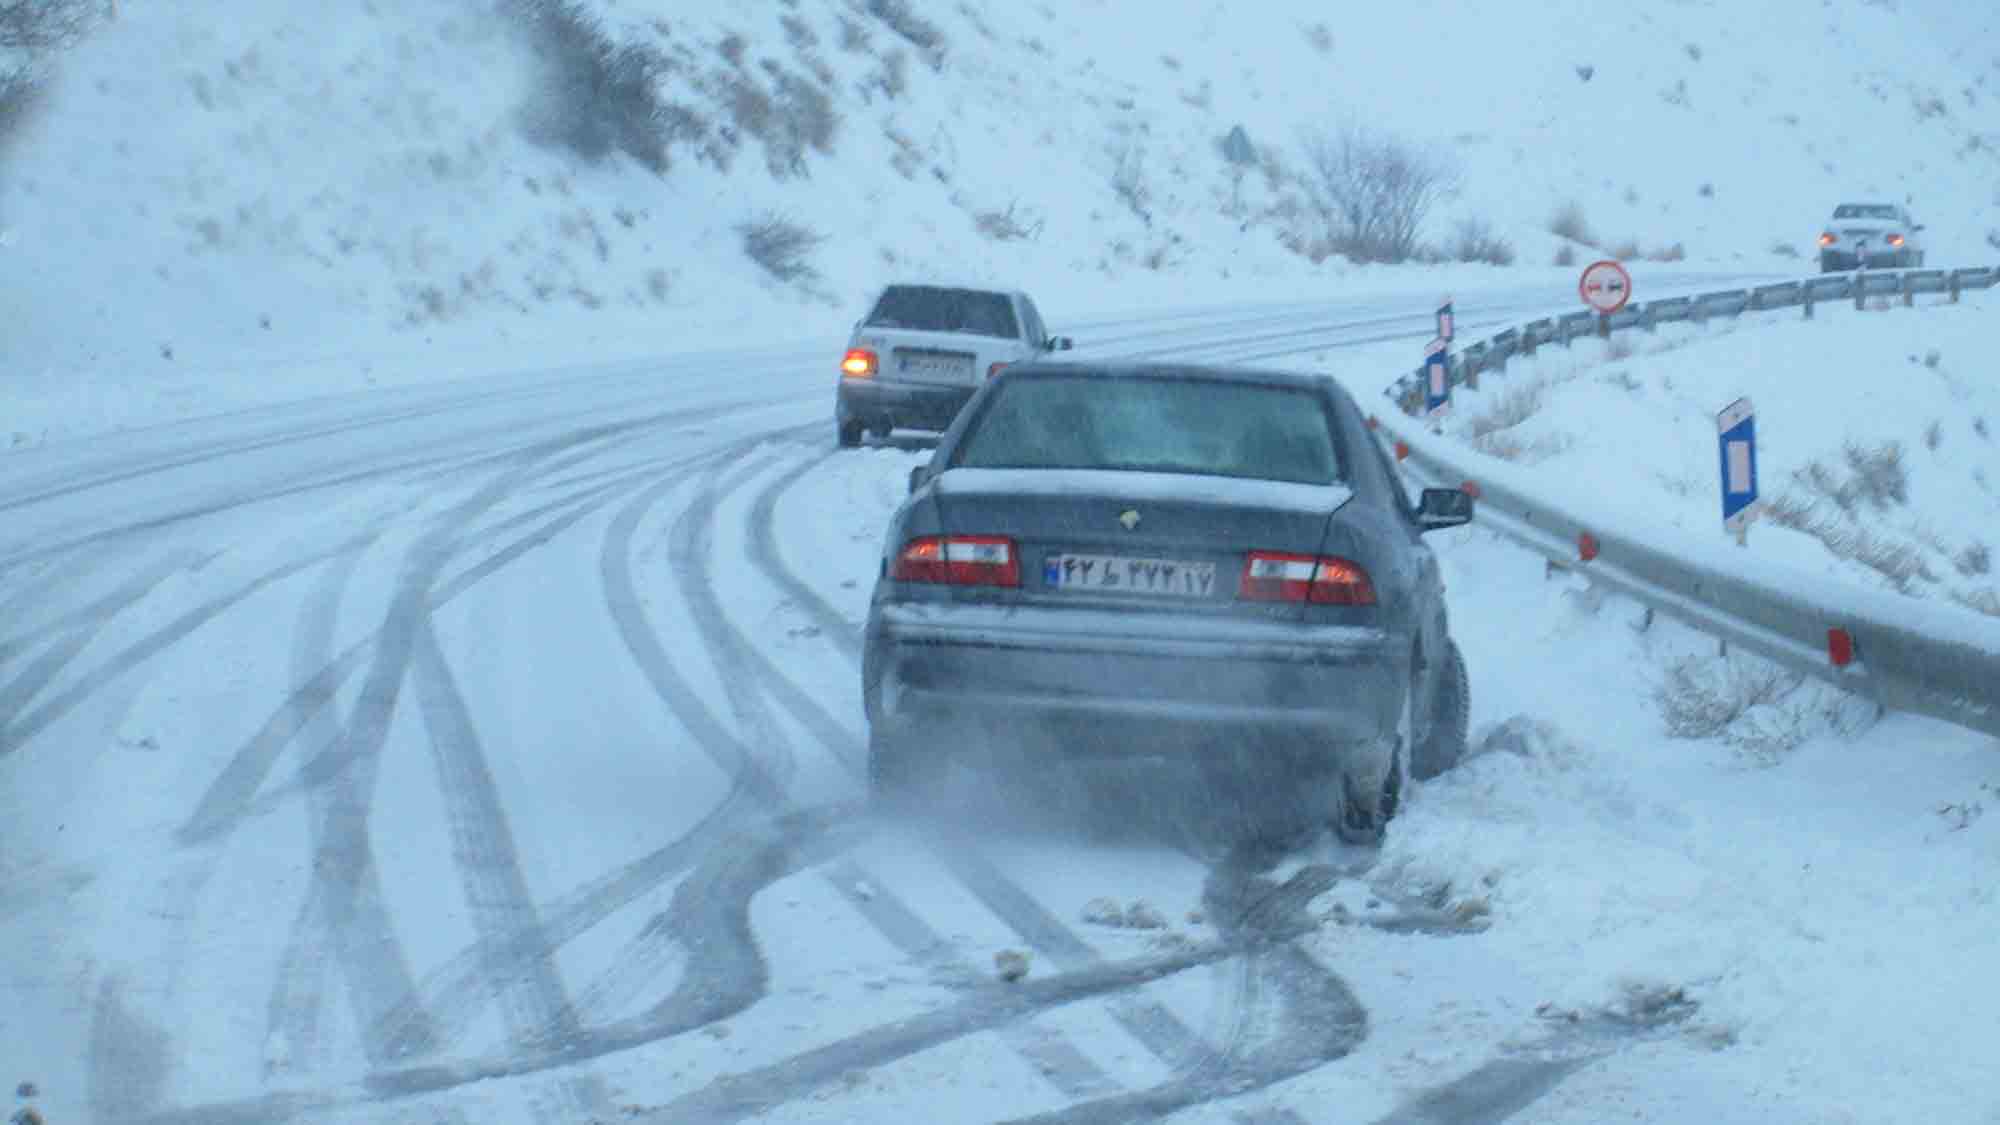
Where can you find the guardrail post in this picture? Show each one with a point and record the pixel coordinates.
(1805, 299)
(1860, 290)
(1909, 291)
(1604, 326)
(1646, 317)
(1528, 341)
(1951, 283)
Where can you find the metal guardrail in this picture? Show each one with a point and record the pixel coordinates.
(1907, 654)
(1493, 353)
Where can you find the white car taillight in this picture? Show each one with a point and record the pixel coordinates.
(959, 560)
(858, 363)
(1271, 576)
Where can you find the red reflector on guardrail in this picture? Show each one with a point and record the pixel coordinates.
(1374, 423)
(1470, 488)
(1840, 647)
(1402, 450)
(1586, 546)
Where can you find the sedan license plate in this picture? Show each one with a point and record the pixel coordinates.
(923, 365)
(1164, 577)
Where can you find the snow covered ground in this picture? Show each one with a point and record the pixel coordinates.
(498, 761)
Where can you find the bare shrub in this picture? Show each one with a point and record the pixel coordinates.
(658, 284)
(1984, 600)
(908, 157)
(781, 246)
(733, 48)
(1624, 251)
(1618, 348)
(1933, 436)
(1879, 475)
(893, 78)
(36, 27)
(853, 35)
(798, 32)
(1976, 561)
(1565, 255)
(1007, 226)
(1674, 253)
(1703, 697)
(901, 18)
(799, 116)
(1474, 241)
(1784, 249)
(1568, 222)
(1373, 191)
(1128, 178)
(1510, 408)
(1900, 563)
(1320, 37)
(596, 96)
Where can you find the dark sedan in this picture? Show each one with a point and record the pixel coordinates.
(1148, 562)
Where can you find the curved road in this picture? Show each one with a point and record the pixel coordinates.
(490, 752)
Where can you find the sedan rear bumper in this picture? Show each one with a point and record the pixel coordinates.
(1130, 679)
(886, 404)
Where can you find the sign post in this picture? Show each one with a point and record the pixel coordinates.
(1605, 286)
(1444, 321)
(1736, 438)
(1437, 378)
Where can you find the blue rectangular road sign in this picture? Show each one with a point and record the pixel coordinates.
(1736, 437)
(1437, 377)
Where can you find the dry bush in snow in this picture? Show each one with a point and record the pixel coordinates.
(1568, 222)
(1756, 707)
(1565, 255)
(1007, 226)
(782, 247)
(1373, 191)
(597, 96)
(901, 17)
(1784, 249)
(1474, 241)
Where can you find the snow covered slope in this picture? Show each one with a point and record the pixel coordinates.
(227, 202)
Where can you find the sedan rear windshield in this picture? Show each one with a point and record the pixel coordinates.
(1208, 427)
(1864, 211)
(930, 309)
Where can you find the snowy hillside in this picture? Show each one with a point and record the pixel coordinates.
(225, 202)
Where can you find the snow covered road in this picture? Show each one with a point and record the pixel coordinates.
(491, 752)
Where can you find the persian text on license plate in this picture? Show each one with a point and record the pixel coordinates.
(936, 366)
(1167, 577)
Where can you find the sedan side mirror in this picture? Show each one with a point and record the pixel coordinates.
(1061, 343)
(1916, 227)
(918, 475)
(1444, 507)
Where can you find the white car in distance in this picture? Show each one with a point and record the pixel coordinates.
(922, 350)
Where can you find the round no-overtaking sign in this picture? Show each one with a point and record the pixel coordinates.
(1605, 286)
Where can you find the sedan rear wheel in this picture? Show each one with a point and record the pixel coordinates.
(1444, 744)
(1362, 817)
(850, 434)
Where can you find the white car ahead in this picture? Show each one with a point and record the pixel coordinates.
(1878, 235)
(922, 350)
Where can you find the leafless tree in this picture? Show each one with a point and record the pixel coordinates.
(38, 26)
(1374, 191)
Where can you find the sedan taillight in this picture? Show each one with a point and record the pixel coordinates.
(1271, 576)
(1828, 239)
(993, 369)
(858, 363)
(959, 560)
(1895, 240)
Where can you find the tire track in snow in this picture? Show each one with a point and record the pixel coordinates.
(344, 904)
(26, 727)
(747, 669)
(76, 630)
(520, 963)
